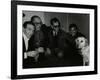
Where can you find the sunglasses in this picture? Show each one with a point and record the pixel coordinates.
(37, 23)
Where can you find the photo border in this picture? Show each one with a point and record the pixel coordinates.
(14, 38)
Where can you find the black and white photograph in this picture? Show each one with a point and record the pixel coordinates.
(53, 39)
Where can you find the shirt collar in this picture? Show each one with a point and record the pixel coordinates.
(25, 37)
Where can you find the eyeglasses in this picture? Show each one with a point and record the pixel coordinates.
(55, 26)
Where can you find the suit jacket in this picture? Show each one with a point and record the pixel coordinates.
(64, 43)
(39, 39)
(30, 61)
(59, 41)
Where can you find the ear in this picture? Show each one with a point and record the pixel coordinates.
(86, 42)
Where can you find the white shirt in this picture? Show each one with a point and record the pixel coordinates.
(26, 45)
(26, 41)
(55, 33)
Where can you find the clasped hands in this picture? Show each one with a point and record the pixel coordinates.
(34, 53)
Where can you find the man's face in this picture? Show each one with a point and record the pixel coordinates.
(37, 23)
(73, 31)
(29, 30)
(56, 26)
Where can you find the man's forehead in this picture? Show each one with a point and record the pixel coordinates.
(37, 19)
(30, 26)
(56, 23)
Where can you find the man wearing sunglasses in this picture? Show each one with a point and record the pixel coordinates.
(57, 42)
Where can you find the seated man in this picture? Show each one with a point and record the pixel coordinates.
(73, 34)
(30, 55)
(40, 37)
(58, 43)
(61, 45)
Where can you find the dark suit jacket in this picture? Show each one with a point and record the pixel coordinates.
(64, 43)
(58, 41)
(29, 62)
(38, 37)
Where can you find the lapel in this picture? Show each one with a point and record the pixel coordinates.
(24, 48)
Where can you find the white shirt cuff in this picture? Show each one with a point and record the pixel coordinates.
(25, 55)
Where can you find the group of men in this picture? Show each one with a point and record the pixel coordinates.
(49, 46)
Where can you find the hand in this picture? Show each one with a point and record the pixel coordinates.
(40, 49)
(60, 54)
(36, 58)
(32, 53)
(48, 51)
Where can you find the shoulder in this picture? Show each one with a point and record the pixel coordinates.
(80, 34)
(46, 28)
(64, 33)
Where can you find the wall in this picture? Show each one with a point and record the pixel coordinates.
(29, 14)
(82, 21)
(63, 18)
